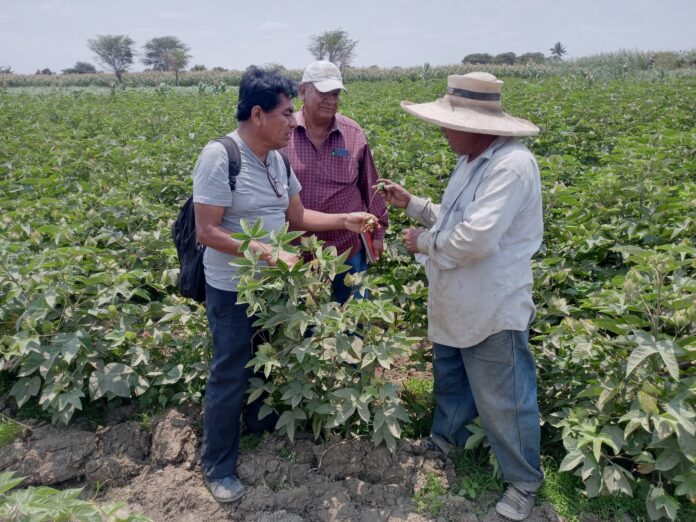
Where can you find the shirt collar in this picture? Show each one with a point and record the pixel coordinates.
(488, 153)
(494, 146)
(300, 118)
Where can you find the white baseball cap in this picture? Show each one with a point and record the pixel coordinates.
(324, 75)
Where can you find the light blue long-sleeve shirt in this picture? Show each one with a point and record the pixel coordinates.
(480, 245)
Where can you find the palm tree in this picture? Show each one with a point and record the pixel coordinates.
(557, 51)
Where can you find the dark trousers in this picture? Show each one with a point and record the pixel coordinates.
(225, 399)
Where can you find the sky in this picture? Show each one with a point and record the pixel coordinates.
(38, 34)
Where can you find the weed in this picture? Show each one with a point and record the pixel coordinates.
(417, 394)
(474, 471)
(429, 498)
(10, 431)
(145, 419)
(564, 492)
(287, 454)
(252, 441)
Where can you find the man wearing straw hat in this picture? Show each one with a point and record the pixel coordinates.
(477, 250)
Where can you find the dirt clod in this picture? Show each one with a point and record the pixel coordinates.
(158, 474)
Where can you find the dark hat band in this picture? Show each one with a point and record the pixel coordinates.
(472, 95)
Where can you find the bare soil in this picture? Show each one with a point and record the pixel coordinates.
(155, 470)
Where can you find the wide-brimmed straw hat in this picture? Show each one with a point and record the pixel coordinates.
(472, 104)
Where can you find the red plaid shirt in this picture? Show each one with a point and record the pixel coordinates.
(337, 178)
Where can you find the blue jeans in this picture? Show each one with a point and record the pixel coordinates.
(358, 263)
(495, 380)
(225, 400)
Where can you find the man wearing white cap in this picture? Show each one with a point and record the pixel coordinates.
(331, 158)
(477, 252)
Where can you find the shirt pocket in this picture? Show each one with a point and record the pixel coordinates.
(342, 170)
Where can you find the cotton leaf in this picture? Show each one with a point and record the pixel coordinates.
(25, 388)
(571, 460)
(615, 480)
(667, 351)
(637, 356)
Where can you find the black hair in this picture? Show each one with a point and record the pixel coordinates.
(262, 88)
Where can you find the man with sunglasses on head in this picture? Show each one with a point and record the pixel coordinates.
(262, 190)
(332, 160)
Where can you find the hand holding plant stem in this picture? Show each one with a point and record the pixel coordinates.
(361, 222)
(393, 193)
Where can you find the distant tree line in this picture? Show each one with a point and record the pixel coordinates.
(162, 53)
(504, 58)
(168, 53)
(80, 68)
(557, 52)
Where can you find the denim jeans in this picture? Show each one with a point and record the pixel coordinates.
(358, 263)
(495, 380)
(225, 400)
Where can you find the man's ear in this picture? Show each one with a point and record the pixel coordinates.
(256, 115)
(303, 90)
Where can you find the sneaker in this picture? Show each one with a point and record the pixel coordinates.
(516, 503)
(225, 490)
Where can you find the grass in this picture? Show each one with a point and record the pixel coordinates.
(10, 431)
(287, 454)
(251, 441)
(417, 394)
(477, 479)
(564, 492)
(145, 420)
(429, 498)
(475, 473)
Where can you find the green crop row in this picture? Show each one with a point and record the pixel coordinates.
(90, 182)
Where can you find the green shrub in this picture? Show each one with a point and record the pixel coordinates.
(44, 504)
(320, 356)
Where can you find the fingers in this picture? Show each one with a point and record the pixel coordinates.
(362, 222)
(289, 259)
(384, 186)
(410, 237)
(392, 193)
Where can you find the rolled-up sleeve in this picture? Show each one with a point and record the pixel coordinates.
(483, 223)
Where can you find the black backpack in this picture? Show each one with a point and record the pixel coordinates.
(191, 281)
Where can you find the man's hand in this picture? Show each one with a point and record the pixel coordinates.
(361, 222)
(286, 257)
(393, 193)
(265, 254)
(411, 238)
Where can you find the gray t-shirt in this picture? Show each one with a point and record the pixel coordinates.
(253, 198)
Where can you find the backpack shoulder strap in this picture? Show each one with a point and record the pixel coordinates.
(287, 163)
(234, 158)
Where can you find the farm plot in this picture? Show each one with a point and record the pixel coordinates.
(92, 180)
